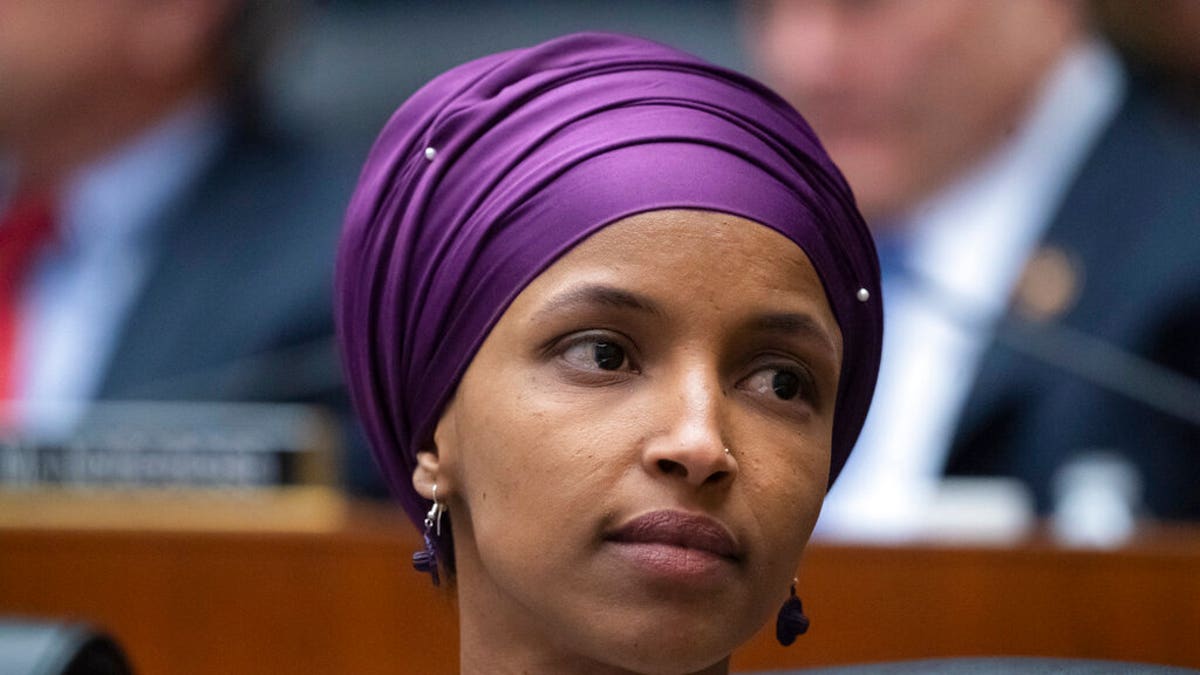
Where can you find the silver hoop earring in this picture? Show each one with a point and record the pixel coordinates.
(434, 517)
(427, 560)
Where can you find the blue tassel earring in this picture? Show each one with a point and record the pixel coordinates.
(791, 621)
(427, 560)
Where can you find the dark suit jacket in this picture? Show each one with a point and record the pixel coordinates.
(239, 304)
(1131, 221)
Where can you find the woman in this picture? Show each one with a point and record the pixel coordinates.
(611, 312)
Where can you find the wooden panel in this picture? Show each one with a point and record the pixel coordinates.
(275, 594)
(885, 603)
(318, 585)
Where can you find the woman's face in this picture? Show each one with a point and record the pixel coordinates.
(598, 519)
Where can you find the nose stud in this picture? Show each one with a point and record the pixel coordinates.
(727, 451)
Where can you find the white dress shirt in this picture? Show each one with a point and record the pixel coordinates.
(970, 242)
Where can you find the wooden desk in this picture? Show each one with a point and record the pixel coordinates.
(309, 583)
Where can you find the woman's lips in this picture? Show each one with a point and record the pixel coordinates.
(676, 544)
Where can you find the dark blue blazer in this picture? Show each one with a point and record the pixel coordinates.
(1131, 223)
(239, 304)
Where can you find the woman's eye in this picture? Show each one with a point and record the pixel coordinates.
(608, 355)
(596, 354)
(785, 385)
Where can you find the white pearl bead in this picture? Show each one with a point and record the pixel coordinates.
(863, 295)
(430, 153)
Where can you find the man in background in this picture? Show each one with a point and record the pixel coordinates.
(1036, 212)
(1158, 39)
(160, 238)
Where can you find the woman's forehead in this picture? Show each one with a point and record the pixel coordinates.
(671, 261)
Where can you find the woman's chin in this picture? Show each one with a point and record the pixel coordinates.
(669, 659)
(662, 644)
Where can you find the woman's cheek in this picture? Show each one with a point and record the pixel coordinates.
(796, 487)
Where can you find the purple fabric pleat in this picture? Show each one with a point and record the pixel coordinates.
(493, 170)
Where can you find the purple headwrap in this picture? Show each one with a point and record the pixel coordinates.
(498, 167)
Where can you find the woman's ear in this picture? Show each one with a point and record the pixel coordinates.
(436, 462)
(425, 475)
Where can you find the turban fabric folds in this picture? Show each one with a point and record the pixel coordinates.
(493, 170)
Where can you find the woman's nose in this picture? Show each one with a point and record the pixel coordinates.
(691, 444)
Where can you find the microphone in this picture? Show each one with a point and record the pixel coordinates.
(1045, 290)
(1104, 365)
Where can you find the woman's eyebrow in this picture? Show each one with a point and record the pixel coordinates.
(598, 294)
(795, 325)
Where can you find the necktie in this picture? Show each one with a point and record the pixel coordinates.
(24, 231)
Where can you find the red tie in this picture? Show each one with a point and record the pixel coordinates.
(24, 230)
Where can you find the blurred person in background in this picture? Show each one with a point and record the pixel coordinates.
(160, 238)
(1159, 39)
(1037, 214)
